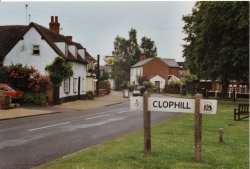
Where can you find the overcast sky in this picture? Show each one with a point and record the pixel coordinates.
(96, 24)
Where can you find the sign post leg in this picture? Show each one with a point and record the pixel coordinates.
(147, 125)
(198, 128)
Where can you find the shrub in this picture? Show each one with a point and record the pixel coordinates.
(90, 95)
(35, 99)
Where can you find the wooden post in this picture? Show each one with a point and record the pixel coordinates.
(221, 132)
(147, 125)
(198, 128)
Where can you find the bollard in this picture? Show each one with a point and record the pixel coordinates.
(221, 132)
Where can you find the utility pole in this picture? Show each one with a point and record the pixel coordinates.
(97, 75)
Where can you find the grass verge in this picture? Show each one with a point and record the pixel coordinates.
(172, 146)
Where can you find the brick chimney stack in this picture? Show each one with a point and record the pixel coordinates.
(142, 56)
(54, 25)
(69, 38)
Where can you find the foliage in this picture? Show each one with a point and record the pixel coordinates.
(90, 94)
(25, 78)
(126, 53)
(186, 78)
(148, 47)
(172, 146)
(59, 70)
(141, 79)
(4, 74)
(124, 85)
(148, 84)
(35, 99)
(217, 42)
(174, 82)
(104, 75)
(19, 75)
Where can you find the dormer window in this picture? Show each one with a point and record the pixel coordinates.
(36, 50)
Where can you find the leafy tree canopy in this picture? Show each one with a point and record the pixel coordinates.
(59, 70)
(217, 41)
(126, 53)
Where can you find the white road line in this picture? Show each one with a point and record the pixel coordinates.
(113, 110)
(95, 117)
(54, 125)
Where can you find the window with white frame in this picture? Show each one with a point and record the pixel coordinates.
(243, 88)
(36, 50)
(67, 85)
(74, 85)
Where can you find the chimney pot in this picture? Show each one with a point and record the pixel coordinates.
(54, 26)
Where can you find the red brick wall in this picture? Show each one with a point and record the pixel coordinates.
(156, 67)
(173, 71)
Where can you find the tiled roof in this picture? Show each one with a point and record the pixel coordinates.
(10, 35)
(143, 62)
(169, 62)
(88, 57)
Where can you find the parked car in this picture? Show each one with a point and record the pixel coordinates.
(9, 91)
(139, 90)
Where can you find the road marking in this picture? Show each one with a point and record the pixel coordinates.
(54, 125)
(113, 110)
(96, 117)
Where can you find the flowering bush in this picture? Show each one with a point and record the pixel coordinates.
(26, 78)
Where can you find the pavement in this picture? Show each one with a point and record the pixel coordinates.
(115, 97)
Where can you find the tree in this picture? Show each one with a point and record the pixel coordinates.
(217, 44)
(133, 47)
(126, 53)
(148, 47)
(59, 70)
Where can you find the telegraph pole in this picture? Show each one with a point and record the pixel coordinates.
(97, 75)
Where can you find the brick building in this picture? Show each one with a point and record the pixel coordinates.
(157, 70)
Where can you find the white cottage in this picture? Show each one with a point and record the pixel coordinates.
(37, 46)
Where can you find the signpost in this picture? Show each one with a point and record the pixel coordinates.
(176, 105)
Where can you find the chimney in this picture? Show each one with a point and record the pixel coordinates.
(69, 38)
(142, 56)
(54, 25)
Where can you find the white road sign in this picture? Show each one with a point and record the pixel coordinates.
(166, 104)
(208, 106)
(175, 105)
(136, 103)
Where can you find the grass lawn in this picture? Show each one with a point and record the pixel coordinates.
(172, 146)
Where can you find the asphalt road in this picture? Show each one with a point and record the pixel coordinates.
(32, 141)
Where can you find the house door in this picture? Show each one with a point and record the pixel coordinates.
(79, 87)
(157, 86)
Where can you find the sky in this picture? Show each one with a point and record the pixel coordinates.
(95, 24)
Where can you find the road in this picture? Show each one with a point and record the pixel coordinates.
(32, 141)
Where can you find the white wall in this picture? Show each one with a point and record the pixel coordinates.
(134, 73)
(22, 52)
(82, 53)
(160, 79)
(72, 49)
(90, 84)
(79, 71)
(61, 46)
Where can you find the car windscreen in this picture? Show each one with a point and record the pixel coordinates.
(139, 87)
